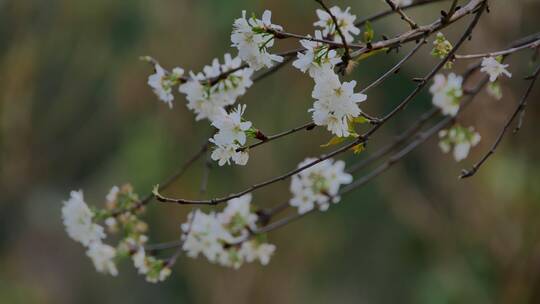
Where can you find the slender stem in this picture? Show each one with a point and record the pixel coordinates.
(380, 15)
(394, 68)
(401, 13)
(306, 126)
(530, 45)
(519, 109)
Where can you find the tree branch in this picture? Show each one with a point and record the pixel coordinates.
(519, 109)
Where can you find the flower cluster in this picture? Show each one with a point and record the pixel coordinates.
(441, 49)
(225, 238)
(460, 140)
(253, 37)
(218, 86)
(318, 185)
(162, 83)
(80, 226)
(447, 93)
(345, 22)
(230, 137)
(336, 104)
(494, 68)
(80, 223)
(317, 58)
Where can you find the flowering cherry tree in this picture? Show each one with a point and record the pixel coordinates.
(233, 231)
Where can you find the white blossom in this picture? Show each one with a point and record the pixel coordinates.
(209, 100)
(78, 220)
(112, 195)
(238, 213)
(231, 127)
(494, 68)
(345, 22)
(252, 251)
(316, 56)
(458, 139)
(162, 83)
(447, 93)
(335, 104)
(102, 256)
(318, 185)
(223, 154)
(139, 260)
(252, 39)
(224, 238)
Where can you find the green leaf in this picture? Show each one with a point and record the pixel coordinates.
(369, 54)
(358, 148)
(368, 32)
(334, 141)
(360, 120)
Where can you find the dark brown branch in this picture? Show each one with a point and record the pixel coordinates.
(402, 14)
(306, 126)
(168, 181)
(380, 15)
(519, 109)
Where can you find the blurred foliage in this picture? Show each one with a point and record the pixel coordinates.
(75, 113)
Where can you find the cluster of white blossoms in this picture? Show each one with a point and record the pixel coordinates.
(494, 68)
(317, 58)
(163, 82)
(318, 185)
(209, 92)
(336, 104)
(345, 22)
(460, 140)
(230, 137)
(253, 37)
(447, 93)
(225, 238)
(80, 223)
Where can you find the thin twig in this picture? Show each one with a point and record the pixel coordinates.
(531, 45)
(402, 14)
(519, 109)
(380, 15)
(394, 68)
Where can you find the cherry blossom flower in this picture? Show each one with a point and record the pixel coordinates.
(78, 220)
(447, 93)
(252, 39)
(345, 22)
(494, 68)
(318, 185)
(317, 55)
(102, 256)
(458, 139)
(335, 104)
(162, 83)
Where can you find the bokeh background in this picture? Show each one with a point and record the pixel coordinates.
(75, 113)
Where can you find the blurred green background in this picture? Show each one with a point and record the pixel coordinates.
(75, 113)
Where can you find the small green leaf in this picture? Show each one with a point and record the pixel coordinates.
(358, 149)
(334, 141)
(371, 53)
(360, 120)
(368, 32)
